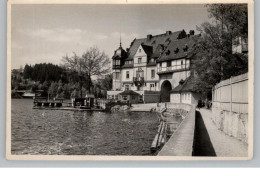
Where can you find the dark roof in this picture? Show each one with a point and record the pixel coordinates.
(147, 49)
(179, 48)
(129, 92)
(120, 52)
(153, 42)
(187, 85)
(161, 47)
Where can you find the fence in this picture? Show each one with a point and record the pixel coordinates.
(232, 94)
(230, 106)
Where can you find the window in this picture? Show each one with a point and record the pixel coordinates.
(139, 60)
(152, 73)
(151, 85)
(182, 64)
(169, 63)
(116, 97)
(126, 87)
(140, 50)
(152, 60)
(124, 97)
(117, 62)
(117, 75)
(127, 74)
(133, 97)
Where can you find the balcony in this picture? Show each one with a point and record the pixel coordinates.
(139, 81)
(116, 66)
(171, 69)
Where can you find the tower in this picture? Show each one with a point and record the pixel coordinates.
(117, 62)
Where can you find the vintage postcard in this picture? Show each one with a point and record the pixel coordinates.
(130, 80)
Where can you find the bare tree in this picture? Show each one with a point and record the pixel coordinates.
(92, 63)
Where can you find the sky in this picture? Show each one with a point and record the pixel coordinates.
(46, 33)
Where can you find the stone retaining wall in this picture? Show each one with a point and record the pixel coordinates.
(230, 106)
(232, 123)
(181, 142)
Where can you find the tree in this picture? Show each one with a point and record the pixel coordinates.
(28, 70)
(107, 82)
(52, 91)
(215, 60)
(92, 63)
(232, 17)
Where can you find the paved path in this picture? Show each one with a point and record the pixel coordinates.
(224, 145)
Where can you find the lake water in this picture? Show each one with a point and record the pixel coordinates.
(56, 132)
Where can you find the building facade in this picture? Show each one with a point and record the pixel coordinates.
(153, 65)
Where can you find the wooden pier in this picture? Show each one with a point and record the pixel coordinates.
(67, 108)
(165, 130)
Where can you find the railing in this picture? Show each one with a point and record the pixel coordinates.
(171, 69)
(116, 66)
(138, 80)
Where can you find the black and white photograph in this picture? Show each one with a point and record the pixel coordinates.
(130, 80)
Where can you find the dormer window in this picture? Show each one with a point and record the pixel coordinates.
(168, 53)
(185, 48)
(176, 50)
(153, 42)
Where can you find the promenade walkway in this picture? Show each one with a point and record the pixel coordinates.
(224, 145)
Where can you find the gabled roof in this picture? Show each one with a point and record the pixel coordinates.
(147, 49)
(129, 92)
(179, 48)
(156, 40)
(134, 47)
(187, 86)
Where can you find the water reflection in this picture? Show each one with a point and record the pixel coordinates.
(80, 133)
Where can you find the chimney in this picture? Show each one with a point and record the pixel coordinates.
(192, 32)
(168, 32)
(149, 37)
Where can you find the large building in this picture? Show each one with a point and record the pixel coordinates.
(153, 66)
